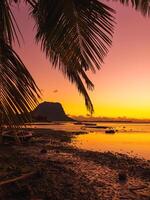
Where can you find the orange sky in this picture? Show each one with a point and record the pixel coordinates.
(122, 86)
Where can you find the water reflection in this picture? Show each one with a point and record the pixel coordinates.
(135, 144)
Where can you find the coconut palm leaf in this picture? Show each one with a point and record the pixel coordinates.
(8, 25)
(18, 91)
(141, 5)
(32, 3)
(74, 34)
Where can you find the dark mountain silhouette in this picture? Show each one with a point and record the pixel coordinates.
(48, 111)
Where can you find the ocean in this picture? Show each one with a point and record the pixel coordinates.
(130, 138)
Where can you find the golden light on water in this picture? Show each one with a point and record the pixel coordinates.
(133, 144)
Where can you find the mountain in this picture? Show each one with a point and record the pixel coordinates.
(49, 111)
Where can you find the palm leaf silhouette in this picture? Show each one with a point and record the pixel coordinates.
(75, 35)
(142, 5)
(18, 91)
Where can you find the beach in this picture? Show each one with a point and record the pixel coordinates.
(58, 170)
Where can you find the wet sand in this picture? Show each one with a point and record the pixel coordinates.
(67, 173)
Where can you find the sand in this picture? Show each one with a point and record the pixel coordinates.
(67, 173)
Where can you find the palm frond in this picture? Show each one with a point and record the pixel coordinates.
(32, 3)
(8, 26)
(18, 91)
(74, 77)
(73, 30)
(142, 5)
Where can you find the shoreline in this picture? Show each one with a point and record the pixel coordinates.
(71, 173)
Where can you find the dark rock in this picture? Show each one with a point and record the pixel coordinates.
(48, 111)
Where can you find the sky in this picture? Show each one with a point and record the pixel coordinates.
(122, 86)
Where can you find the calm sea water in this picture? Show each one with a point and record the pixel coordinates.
(130, 138)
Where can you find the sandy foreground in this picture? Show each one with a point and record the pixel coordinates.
(59, 171)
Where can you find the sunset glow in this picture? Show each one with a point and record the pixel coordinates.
(122, 86)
